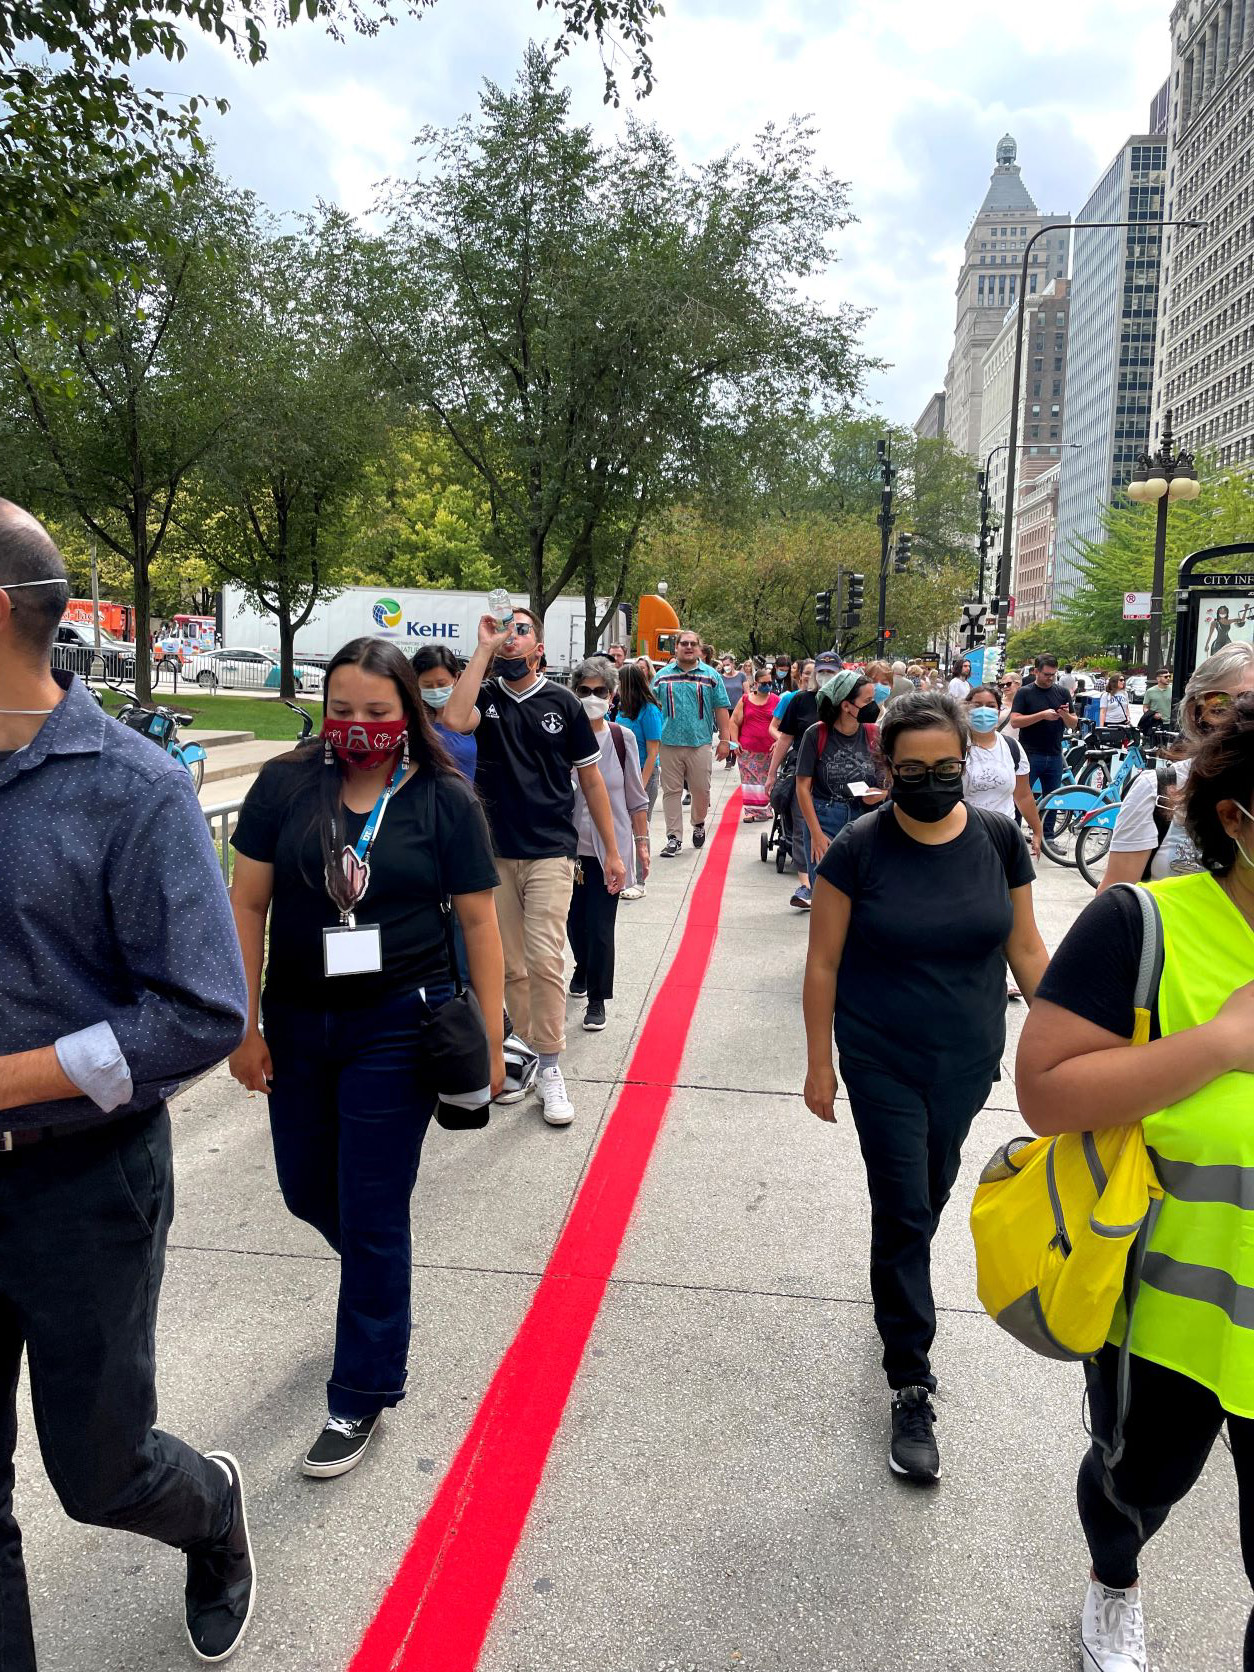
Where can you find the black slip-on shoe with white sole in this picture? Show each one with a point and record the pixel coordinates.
(340, 1446)
(222, 1580)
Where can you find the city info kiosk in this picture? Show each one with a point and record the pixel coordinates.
(1212, 609)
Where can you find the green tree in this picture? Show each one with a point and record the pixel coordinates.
(90, 129)
(273, 498)
(108, 425)
(588, 324)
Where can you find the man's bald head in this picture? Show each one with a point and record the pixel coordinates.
(28, 553)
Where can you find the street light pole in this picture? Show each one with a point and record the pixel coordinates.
(1167, 475)
(884, 461)
(1004, 567)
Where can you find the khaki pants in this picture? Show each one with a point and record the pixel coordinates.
(678, 764)
(532, 903)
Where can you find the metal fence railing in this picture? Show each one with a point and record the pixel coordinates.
(221, 821)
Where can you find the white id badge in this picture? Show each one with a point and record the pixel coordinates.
(859, 788)
(351, 951)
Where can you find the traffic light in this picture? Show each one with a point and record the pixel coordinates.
(854, 592)
(890, 633)
(902, 560)
(823, 609)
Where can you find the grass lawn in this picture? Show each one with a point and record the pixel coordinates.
(264, 717)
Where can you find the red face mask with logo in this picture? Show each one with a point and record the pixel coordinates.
(364, 745)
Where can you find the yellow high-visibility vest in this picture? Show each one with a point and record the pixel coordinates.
(1194, 1311)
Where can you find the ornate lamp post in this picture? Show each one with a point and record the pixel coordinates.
(1164, 476)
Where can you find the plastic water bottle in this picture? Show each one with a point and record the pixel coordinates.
(501, 605)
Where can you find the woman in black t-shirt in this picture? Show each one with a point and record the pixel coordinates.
(835, 752)
(349, 846)
(916, 908)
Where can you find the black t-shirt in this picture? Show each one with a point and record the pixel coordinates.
(800, 714)
(1044, 738)
(1106, 936)
(922, 983)
(845, 761)
(278, 824)
(527, 748)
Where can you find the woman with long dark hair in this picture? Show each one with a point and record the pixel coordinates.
(438, 671)
(351, 847)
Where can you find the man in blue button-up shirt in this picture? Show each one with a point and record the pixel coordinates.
(120, 977)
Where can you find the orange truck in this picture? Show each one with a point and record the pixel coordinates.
(118, 620)
(656, 627)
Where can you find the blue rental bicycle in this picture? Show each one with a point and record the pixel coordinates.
(161, 726)
(1084, 802)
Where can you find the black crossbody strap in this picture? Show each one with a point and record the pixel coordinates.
(446, 904)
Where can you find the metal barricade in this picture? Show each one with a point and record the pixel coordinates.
(221, 821)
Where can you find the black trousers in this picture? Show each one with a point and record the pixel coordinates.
(911, 1138)
(83, 1225)
(590, 925)
(1171, 1426)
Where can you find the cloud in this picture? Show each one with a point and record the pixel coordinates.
(910, 98)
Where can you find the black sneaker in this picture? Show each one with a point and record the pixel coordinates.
(698, 835)
(579, 985)
(340, 1446)
(594, 1016)
(673, 848)
(687, 801)
(913, 1452)
(221, 1580)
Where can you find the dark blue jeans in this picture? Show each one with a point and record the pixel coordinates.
(833, 816)
(348, 1114)
(1048, 769)
(83, 1223)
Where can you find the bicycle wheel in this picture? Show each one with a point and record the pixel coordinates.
(1096, 775)
(197, 770)
(1092, 847)
(1066, 806)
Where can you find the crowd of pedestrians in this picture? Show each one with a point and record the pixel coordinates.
(409, 892)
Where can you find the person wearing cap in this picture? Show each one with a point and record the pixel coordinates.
(837, 776)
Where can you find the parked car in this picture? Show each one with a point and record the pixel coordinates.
(249, 670)
(75, 646)
(1136, 687)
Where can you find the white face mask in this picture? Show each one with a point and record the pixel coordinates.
(596, 708)
(436, 697)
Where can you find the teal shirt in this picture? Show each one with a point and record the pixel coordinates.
(646, 728)
(690, 704)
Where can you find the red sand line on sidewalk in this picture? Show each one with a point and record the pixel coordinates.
(436, 1613)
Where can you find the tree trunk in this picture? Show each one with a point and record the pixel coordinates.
(142, 592)
(287, 636)
(590, 634)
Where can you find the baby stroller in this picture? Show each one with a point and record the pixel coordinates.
(778, 840)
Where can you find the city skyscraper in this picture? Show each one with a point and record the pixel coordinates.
(1110, 348)
(988, 285)
(1205, 368)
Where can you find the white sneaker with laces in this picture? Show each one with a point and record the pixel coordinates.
(558, 1108)
(1112, 1630)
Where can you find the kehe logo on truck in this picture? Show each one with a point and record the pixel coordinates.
(388, 613)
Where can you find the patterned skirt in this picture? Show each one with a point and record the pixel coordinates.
(753, 770)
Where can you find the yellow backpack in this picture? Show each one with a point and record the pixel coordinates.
(1055, 1220)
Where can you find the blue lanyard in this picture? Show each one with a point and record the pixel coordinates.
(371, 828)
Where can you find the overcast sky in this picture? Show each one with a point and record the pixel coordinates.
(911, 97)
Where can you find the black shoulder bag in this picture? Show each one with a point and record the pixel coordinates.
(457, 1060)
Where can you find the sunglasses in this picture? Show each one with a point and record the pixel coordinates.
(914, 772)
(591, 691)
(689, 644)
(1215, 702)
(521, 630)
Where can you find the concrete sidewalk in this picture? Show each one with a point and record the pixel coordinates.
(718, 1495)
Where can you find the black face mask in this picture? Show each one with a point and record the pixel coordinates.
(929, 801)
(511, 667)
(868, 714)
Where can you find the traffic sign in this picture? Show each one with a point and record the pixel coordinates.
(1136, 606)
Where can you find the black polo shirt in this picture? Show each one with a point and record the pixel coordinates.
(528, 746)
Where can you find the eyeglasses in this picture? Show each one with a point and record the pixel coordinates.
(591, 691)
(521, 630)
(914, 772)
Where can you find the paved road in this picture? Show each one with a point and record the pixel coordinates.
(718, 1494)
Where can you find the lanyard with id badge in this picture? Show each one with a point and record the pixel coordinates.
(350, 948)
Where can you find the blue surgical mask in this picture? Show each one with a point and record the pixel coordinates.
(982, 719)
(438, 697)
(882, 692)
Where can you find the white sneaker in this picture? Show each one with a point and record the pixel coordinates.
(558, 1108)
(1112, 1630)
